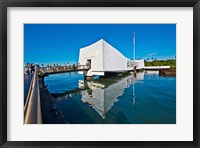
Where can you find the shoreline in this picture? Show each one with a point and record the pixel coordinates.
(171, 72)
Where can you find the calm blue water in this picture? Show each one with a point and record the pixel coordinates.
(146, 99)
(63, 82)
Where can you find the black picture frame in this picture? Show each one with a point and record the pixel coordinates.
(4, 4)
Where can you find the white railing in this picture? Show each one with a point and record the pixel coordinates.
(156, 67)
(32, 108)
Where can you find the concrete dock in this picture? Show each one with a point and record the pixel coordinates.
(50, 113)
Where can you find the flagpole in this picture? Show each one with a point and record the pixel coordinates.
(134, 46)
(134, 68)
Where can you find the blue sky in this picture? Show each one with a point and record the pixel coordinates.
(48, 43)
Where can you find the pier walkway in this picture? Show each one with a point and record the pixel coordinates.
(32, 108)
(39, 105)
(63, 71)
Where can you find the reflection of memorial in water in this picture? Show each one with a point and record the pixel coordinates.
(119, 100)
(102, 97)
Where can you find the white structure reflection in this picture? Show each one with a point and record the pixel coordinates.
(102, 97)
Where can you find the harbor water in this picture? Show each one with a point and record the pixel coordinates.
(145, 99)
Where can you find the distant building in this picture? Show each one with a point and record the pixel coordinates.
(101, 58)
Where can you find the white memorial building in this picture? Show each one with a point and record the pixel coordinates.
(101, 58)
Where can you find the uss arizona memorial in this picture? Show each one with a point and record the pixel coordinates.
(101, 58)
